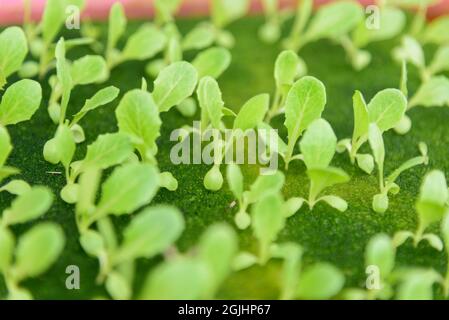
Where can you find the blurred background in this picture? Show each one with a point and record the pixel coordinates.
(11, 11)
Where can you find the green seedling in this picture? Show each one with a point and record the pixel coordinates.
(13, 50)
(431, 207)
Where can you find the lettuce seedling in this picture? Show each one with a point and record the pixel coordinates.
(317, 150)
(36, 250)
(304, 103)
(416, 283)
(13, 50)
(197, 275)
(271, 30)
(138, 118)
(206, 34)
(149, 234)
(332, 21)
(144, 44)
(391, 21)
(388, 185)
(288, 67)
(263, 186)
(431, 207)
(386, 109)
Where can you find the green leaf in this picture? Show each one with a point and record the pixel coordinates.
(88, 69)
(13, 50)
(434, 188)
(264, 186)
(217, 248)
(305, 103)
(334, 20)
(387, 108)
(335, 202)
(174, 84)
(434, 241)
(285, 68)
(226, 11)
(177, 279)
(38, 249)
(321, 281)
(401, 237)
(16, 187)
(121, 195)
(88, 186)
(361, 117)
(380, 202)
(108, 150)
(151, 232)
(433, 93)
(7, 243)
(436, 31)
(212, 62)
(64, 76)
(118, 287)
(117, 24)
(418, 285)
(410, 51)
(392, 22)
(200, 37)
(267, 218)
(138, 117)
(322, 178)
(28, 206)
(213, 180)
(61, 148)
(92, 242)
(5, 146)
(52, 19)
(318, 144)
(440, 61)
(377, 144)
(380, 252)
(235, 180)
(445, 231)
(365, 162)
(252, 113)
(101, 98)
(144, 44)
(20, 101)
(211, 102)
(429, 212)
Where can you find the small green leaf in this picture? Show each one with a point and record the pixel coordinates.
(434, 188)
(20, 101)
(174, 84)
(433, 93)
(410, 51)
(321, 281)
(28, 206)
(118, 287)
(318, 144)
(285, 68)
(436, 31)
(38, 249)
(7, 243)
(177, 279)
(150, 233)
(361, 117)
(336, 202)
(13, 50)
(322, 178)
(226, 11)
(264, 186)
(144, 44)
(61, 148)
(117, 24)
(334, 20)
(380, 203)
(440, 61)
(213, 180)
(92, 242)
(101, 98)
(138, 117)
(365, 162)
(212, 62)
(252, 113)
(217, 248)
(387, 108)
(88, 69)
(434, 241)
(377, 144)
(108, 150)
(445, 231)
(417, 285)
(401, 237)
(243, 260)
(200, 37)
(380, 252)
(211, 102)
(52, 19)
(235, 180)
(16, 187)
(305, 103)
(121, 195)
